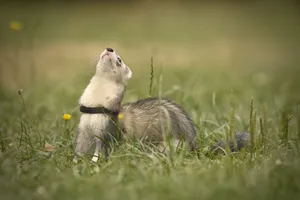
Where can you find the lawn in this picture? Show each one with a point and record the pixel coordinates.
(231, 66)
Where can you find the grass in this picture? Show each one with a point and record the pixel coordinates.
(29, 171)
(223, 86)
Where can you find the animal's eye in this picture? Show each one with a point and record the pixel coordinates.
(118, 64)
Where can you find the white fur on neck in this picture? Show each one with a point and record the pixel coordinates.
(100, 91)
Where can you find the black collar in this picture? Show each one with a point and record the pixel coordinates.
(97, 110)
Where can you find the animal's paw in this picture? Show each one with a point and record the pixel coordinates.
(75, 160)
(95, 158)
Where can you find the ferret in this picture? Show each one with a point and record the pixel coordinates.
(100, 104)
(153, 120)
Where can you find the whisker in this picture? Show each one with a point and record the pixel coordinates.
(93, 61)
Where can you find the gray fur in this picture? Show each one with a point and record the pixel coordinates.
(83, 141)
(114, 104)
(150, 118)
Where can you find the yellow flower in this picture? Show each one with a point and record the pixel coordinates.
(67, 117)
(120, 116)
(15, 25)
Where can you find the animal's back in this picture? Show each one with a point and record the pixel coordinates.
(152, 117)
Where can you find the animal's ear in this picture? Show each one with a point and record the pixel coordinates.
(128, 73)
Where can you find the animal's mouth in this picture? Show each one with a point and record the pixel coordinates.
(104, 54)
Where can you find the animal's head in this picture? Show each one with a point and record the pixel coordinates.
(111, 65)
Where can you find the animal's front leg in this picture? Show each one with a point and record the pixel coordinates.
(83, 143)
(100, 146)
(97, 149)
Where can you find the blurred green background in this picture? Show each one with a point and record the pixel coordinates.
(61, 39)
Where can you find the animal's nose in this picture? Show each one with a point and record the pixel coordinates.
(109, 49)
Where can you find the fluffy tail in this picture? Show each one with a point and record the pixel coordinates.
(242, 141)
